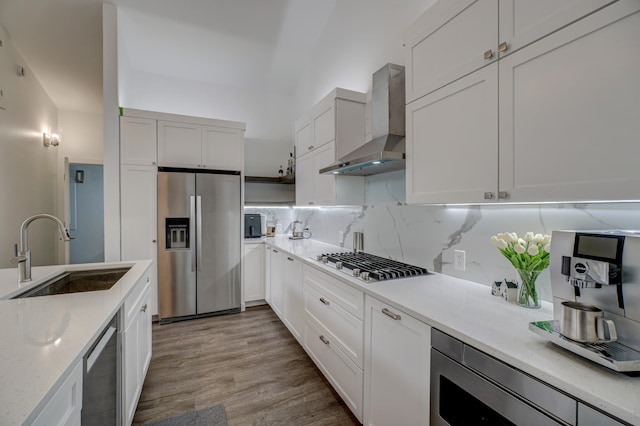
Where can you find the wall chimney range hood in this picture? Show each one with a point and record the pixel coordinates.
(385, 152)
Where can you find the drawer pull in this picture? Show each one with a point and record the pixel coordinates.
(503, 195)
(275, 251)
(325, 301)
(502, 47)
(324, 339)
(391, 314)
(488, 195)
(143, 308)
(488, 54)
(147, 279)
(290, 258)
(310, 147)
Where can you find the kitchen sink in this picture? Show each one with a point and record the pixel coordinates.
(76, 282)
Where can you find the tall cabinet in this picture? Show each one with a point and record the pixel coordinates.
(528, 101)
(150, 139)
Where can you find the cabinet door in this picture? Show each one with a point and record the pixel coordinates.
(144, 337)
(130, 370)
(350, 126)
(304, 138)
(138, 141)
(179, 144)
(277, 282)
(522, 21)
(267, 274)
(304, 180)
(65, 405)
(449, 41)
(452, 149)
(293, 300)
(253, 272)
(397, 367)
(222, 148)
(324, 122)
(569, 112)
(324, 186)
(139, 215)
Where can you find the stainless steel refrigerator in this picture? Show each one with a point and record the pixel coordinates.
(199, 243)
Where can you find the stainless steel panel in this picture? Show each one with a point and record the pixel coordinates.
(176, 280)
(486, 392)
(556, 403)
(446, 344)
(589, 416)
(219, 271)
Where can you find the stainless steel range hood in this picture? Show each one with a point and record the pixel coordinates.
(385, 152)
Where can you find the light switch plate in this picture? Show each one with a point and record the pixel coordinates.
(459, 261)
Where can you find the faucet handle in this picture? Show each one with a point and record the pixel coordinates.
(17, 258)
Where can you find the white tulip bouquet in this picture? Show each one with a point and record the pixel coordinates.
(530, 256)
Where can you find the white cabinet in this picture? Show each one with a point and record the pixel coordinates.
(397, 367)
(193, 145)
(338, 117)
(333, 335)
(466, 35)
(277, 281)
(138, 195)
(65, 406)
(254, 269)
(549, 122)
(136, 350)
(452, 156)
(293, 300)
(568, 117)
(267, 274)
(315, 189)
(138, 141)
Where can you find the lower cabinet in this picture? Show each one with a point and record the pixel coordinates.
(397, 366)
(293, 303)
(267, 273)
(136, 350)
(333, 335)
(253, 261)
(277, 281)
(64, 407)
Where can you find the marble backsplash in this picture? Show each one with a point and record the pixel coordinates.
(428, 235)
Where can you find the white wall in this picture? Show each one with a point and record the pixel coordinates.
(360, 37)
(27, 169)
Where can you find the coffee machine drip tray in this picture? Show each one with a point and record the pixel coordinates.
(612, 355)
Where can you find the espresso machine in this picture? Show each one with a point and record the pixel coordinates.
(595, 284)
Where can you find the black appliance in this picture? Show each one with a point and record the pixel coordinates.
(371, 267)
(252, 226)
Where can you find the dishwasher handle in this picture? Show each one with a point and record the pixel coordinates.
(97, 350)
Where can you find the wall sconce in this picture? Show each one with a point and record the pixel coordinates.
(52, 137)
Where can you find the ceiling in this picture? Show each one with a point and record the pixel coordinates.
(249, 44)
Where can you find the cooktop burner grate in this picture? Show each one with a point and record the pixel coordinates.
(368, 266)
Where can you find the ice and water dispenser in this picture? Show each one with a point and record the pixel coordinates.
(177, 233)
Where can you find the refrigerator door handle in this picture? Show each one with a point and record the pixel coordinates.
(192, 230)
(199, 228)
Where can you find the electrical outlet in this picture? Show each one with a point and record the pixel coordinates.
(459, 263)
(340, 237)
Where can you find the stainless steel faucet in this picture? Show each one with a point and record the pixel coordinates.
(22, 254)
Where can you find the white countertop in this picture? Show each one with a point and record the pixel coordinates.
(43, 337)
(467, 311)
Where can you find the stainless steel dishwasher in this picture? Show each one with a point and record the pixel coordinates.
(100, 395)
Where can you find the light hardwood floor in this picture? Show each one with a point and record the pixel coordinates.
(249, 362)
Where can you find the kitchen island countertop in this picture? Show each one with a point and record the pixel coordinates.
(467, 311)
(44, 337)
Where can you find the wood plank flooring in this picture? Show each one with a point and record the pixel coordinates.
(249, 362)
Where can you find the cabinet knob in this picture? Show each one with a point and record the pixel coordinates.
(153, 163)
(310, 202)
(488, 195)
(503, 195)
(310, 147)
(390, 314)
(502, 47)
(204, 165)
(147, 279)
(153, 241)
(488, 54)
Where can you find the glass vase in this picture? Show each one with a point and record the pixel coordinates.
(529, 289)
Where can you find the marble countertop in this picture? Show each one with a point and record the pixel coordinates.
(467, 310)
(43, 337)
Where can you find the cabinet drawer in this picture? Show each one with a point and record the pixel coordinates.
(345, 329)
(134, 300)
(349, 298)
(344, 375)
(65, 405)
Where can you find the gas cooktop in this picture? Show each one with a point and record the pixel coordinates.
(371, 267)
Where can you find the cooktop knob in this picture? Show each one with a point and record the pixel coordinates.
(356, 272)
(325, 259)
(338, 265)
(364, 276)
(319, 257)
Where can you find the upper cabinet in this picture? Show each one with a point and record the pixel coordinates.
(193, 145)
(138, 141)
(466, 35)
(553, 119)
(338, 116)
(335, 127)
